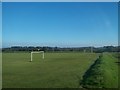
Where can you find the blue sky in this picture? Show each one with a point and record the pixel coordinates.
(60, 24)
(0, 25)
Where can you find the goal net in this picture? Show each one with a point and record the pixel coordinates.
(42, 52)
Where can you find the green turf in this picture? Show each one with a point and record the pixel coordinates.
(57, 70)
(103, 73)
(110, 70)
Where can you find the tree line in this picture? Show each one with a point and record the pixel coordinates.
(62, 49)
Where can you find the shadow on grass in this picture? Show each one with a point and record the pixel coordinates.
(118, 63)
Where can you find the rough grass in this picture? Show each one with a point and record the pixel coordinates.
(57, 70)
(103, 73)
(0, 70)
(110, 71)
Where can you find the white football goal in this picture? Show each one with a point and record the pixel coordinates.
(33, 52)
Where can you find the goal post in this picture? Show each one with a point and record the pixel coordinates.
(37, 52)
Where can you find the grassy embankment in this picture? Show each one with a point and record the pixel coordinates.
(103, 73)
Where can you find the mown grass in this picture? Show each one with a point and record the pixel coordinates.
(57, 70)
(103, 73)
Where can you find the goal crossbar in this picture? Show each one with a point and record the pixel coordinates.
(36, 52)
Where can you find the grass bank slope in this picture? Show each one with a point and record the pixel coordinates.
(103, 73)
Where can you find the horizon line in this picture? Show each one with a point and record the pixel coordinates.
(60, 46)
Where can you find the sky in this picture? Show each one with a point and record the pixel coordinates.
(0, 25)
(63, 24)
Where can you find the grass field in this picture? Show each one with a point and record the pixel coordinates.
(57, 70)
(60, 70)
